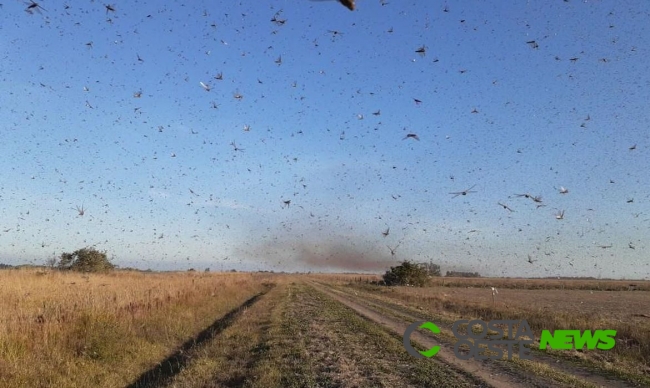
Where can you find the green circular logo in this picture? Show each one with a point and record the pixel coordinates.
(407, 339)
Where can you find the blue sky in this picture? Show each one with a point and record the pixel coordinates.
(496, 114)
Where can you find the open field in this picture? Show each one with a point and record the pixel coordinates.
(194, 329)
(74, 330)
(576, 304)
(516, 283)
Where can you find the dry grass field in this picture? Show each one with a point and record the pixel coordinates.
(135, 329)
(72, 330)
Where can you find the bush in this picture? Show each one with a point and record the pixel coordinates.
(460, 274)
(85, 260)
(407, 274)
(431, 268)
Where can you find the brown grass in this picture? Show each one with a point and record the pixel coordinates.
(544, 284)
(509, 283)
(70, 329)
(105, 330)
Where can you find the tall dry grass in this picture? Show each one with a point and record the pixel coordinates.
(338, 278)
(75, 330)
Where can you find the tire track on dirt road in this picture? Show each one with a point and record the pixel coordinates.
(492, 376)
(164, 371)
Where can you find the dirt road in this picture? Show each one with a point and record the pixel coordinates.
(309, 334)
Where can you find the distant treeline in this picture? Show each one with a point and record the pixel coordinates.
(5, 266)
(458, 274)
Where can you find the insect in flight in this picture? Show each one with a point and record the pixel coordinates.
(505, 207)
(392, 250)
(563, 190)
(276, 19)
(411, 136)
(235, 148)
(33, 6)
(533, 44)
(349, 4)
(464, 192)
(537, 199)
(81, 210)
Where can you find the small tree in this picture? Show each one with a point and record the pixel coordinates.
(431, 268)
(85, 260)
(51, 262)
(406, 274)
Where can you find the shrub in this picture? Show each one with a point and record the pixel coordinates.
(85, 260)
(431, 268)
(407, 274)
(460, 274)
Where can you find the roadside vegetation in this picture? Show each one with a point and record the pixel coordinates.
(71, 329)
(407, 273)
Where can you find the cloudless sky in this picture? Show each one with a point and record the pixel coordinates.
(327, 99)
